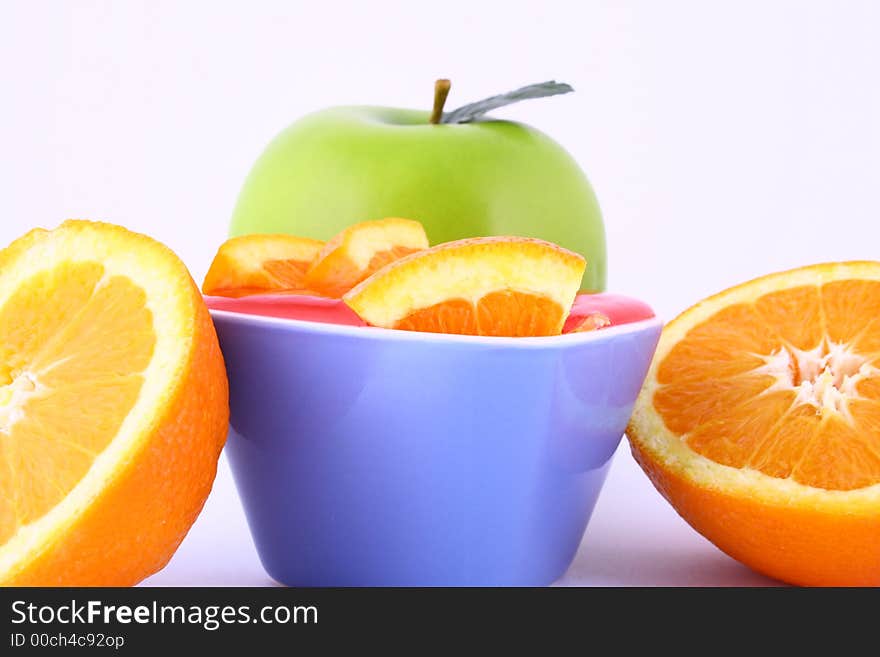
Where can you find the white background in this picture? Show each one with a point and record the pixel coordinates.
(724, 140)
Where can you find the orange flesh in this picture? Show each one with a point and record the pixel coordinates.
(504, 313)
(287, 274)
(382, 258)
(592, 322)
(452, 316)
(276, 276)
(336, 280)
(68, 379)
(741, 390)
(265, 263)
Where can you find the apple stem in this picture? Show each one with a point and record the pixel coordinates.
(441, 91)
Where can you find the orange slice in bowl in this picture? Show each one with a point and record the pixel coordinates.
(113, 406)
(252, 264)
(498, 286)
(760, 422)
(359, 250)
(592, 322)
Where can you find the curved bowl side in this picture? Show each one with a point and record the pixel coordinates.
(364, 461)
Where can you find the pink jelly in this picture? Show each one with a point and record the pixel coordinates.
(616, 307)
(289, 306)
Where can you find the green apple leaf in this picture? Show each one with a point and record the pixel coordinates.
(473, 111)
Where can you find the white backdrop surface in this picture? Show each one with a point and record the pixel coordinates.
(724, 140)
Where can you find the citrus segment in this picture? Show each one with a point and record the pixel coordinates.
(25, 326)
(735, 432)
(794, 315)
(782, 445)
(727, 343)
(868, 387)
(113, 406)
(453, 316)
(847, 306)
(592, 322)
(840, 456)
(361, 249)
(58, 436)
(122, 342)
(499, 286)
(687, 405)
(519, 314)
(260, 263)
(760, 422)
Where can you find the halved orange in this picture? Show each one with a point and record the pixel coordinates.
(361, 249)
(113, 406)
(254, 264)
(760, 422)
(499, 286)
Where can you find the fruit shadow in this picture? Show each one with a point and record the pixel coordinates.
(603, 562)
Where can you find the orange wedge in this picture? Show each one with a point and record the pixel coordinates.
(500, 286)
(359, 250)
(760, 422)
(113, 406)
(254, 264)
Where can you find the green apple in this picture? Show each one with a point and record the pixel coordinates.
(481, 177)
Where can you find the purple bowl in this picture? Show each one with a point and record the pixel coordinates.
(372, 457)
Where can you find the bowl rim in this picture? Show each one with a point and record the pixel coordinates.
(393, 335)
